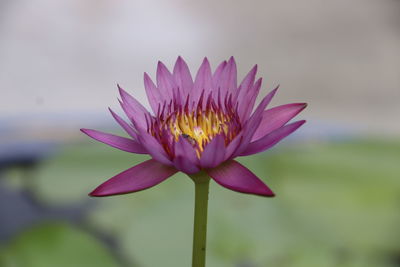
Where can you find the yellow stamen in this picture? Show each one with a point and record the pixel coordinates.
(198, 127)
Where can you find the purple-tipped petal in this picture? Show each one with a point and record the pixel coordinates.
(203, 81)
(247, 82)
(233, 146)
(153, 147)
(276, 117)
(217, 74)
(142, 176)
(119, 142)
(252, 124)
(185, 149)
(165, 82)
(271, 139)
(213, 153)
(236, 177)
(133, 109)
(247, 102)
(184, 165)
(152, 92)
(124, 125)
(228, 80)
(183, 78)
(185, 157)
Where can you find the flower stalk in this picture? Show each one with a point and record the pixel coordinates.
(201, 181)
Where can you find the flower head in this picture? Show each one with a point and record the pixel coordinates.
(199, 125)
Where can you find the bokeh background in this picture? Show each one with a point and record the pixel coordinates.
(337, 179)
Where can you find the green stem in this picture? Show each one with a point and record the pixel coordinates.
(201, 182)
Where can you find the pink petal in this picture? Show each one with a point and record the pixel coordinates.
(228, 80)
(153, 94)
(203, 81)
(165, 82)
(251, 125)
(124, 125)
(184, 148)
(236, 177)
(276, 117)
(247, 105)
(271, 139)
(217, 74)
(233, 146)
(142, 176)
(247, 83)
(184, 165)
(213, 153)
(119, 142)
(153, 147)
(183, 78)
(133, 109)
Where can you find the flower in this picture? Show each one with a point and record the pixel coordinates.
(199, 125)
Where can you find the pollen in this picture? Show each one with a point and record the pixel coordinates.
(199, 128)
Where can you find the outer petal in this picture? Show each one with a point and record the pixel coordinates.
(252, 124)
(183, 78)
(271, 139)
(133, 109)
(185, 157)
(248, 101)
(119, 142)
(276, 117)
(153, 147)
(142, 176)
(124, 125)
(213, 153)
(184, 165)
(236, 177)
(246, 84)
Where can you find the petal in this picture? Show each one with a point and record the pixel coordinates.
(183, 78)
(252, 124)
(165, 82)
(271, 139)
(247, 105)
(133, 109)
(184, 148)
(247, 83)
(228, 81)
(217, 74)
(124, 125)
(184, 165)
(236, 177)
(203, 81)
(233, 146)
(213, 153)
(185, 158)
(119, 142)
(276, 117)
(153, 147)
(153, 94)
(142, 176)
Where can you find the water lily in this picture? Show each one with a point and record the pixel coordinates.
(197, 127)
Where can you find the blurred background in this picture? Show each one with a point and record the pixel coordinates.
(337, 179)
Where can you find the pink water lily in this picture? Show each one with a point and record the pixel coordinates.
(197, 125)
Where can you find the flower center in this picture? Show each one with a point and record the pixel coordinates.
(199, 128)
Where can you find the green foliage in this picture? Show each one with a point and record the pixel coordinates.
(337, 204)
